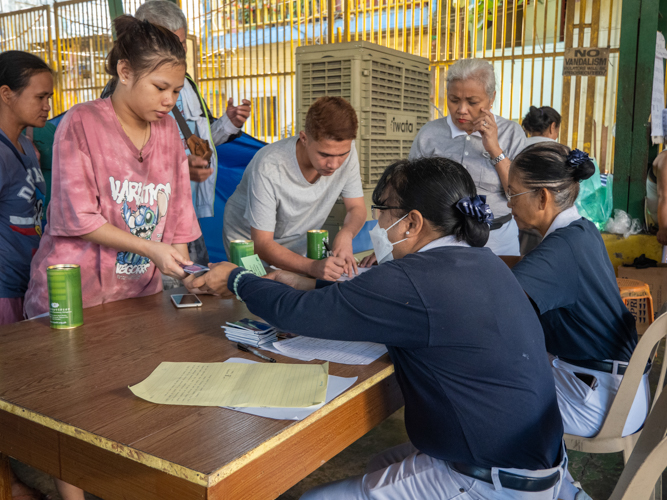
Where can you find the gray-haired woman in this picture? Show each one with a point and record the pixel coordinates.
(482, 142)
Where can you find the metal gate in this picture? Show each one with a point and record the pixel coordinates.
(245, 49)
(28, 30)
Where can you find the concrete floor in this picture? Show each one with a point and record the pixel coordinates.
(598, 474)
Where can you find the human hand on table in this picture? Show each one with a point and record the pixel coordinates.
(342, 247)
(486, 125)
(329, 269)
(214, 281)
(368, 261)
(167, 259)
(294, 280)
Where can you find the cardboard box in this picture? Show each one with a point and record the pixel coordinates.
(655, 277)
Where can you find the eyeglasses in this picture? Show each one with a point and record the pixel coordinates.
(510, 196)
(375, 208)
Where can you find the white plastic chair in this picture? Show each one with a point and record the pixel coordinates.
(609, 439)
(648, 459)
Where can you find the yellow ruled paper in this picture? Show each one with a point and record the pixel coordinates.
(271, 385)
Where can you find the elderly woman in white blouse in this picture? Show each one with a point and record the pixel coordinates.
(482, 142)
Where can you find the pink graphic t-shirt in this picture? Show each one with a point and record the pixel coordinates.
(97, 178)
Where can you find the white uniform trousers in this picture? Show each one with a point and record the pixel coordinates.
(404, 473)
(505, 240)
(585, 408)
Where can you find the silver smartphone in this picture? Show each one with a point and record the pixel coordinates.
(186, 300)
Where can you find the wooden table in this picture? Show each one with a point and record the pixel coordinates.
(65, 408)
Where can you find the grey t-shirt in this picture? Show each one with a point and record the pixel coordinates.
(274, 196)
(436, 139)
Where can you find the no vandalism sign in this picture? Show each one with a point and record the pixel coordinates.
(586, 62)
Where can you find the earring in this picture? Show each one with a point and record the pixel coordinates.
(407, 232)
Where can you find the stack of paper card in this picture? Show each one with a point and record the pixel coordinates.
(251, 332)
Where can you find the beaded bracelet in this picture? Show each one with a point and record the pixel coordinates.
(236, 283)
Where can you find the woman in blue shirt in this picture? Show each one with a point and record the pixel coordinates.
(26, 85)
(479, 395)
(570, 280)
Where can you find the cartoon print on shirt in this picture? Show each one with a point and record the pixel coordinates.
(142, 221)
(34, 223)
(32, 194)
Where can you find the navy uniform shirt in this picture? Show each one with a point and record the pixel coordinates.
(475, 377)
(571, 281)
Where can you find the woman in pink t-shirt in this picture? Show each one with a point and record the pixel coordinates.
(121, 205)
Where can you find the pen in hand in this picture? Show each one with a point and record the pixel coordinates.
(330, 254)
(249, 349)
(328, 248)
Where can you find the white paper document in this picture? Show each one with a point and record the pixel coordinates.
(336, 387)
(336, 351)
(280, 385)
(361, 270)
(271, 348)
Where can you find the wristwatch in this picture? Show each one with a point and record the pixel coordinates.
(498, 159)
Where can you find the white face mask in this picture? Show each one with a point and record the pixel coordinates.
(381, 244)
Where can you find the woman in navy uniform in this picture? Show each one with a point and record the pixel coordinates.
(589, 332)
(480, 404)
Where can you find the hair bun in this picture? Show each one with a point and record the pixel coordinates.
(581, 165)
(476, 208)
(538, 120)
(144, 46)
(535, 121)
(536, 115)
(126, 25)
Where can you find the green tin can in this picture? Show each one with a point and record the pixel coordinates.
(239, 249)
(316, 239)
(65, 300)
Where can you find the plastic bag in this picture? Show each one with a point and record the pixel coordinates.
(595, 200)
(622, 223)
